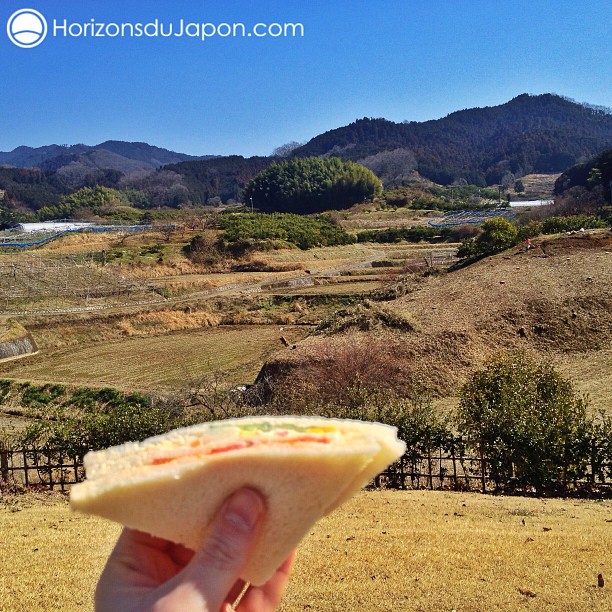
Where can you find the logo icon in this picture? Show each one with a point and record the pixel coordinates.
(26, 28)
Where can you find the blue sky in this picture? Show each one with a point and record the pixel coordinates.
(402, 60)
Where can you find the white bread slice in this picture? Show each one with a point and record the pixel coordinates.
(177, 500)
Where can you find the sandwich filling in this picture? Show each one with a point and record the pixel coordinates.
(249, 435)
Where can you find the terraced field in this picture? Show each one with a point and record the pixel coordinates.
(159, 362)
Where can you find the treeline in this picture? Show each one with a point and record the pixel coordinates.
(416, 233)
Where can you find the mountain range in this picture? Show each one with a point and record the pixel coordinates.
(543, 133)
(115, 152)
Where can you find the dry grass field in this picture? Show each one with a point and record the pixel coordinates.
(371, 217)
(539, 184)
(382, 551)
(171, 360)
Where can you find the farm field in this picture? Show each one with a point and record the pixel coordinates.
(383, 550)
(158, 362)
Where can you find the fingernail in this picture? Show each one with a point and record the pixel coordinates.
(244, 509)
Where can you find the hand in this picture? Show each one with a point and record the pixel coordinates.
(147, 573)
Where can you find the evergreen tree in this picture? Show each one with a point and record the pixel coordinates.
(311, 185)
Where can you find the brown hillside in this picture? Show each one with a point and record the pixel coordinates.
(555, 301)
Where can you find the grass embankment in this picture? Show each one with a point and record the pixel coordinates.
(11, 330)
(381, 551)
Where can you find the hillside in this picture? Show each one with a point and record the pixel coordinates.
(483, 146)
(554, 301)
(223, 177)
(529, 134)
(595, 173)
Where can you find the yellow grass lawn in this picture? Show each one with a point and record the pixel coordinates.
(381, 551)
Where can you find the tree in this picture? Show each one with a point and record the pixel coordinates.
(310, 185)
(497, 235)
(392, 167)
(527, 420)
(286, 149)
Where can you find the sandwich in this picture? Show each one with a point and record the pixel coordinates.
(172, 485)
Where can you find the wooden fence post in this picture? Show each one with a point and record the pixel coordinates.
(25, 469)
(454, 458)
(483, 471)
(4, 471)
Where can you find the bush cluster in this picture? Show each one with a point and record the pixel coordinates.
(571, 223)
(416, 233)
(91, 419)
(522, 416)
(529, 423)
(302, 231)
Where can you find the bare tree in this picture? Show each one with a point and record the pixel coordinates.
(286, 149)
(392, 167)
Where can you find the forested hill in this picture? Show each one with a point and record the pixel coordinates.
(594, 175)
(542, 133)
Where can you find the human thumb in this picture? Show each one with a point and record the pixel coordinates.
(216, 567)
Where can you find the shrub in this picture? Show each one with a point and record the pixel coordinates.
(497, 235)
(529, 230)
(572, 223)
(203, 249)
(36, 397)
(464, 232)
(527, 421)
(5, 390)
(302, 231)
(107, 417)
